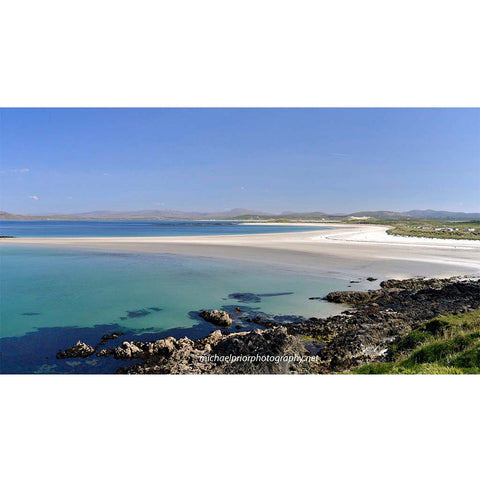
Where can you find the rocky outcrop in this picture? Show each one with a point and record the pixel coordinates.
(381, 317)
(350, 297)
(361, 334)
(254, 352)
(418, 283)
(217, 317)
(80, 349)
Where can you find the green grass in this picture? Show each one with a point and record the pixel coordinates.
(449, 344)
(427, 229)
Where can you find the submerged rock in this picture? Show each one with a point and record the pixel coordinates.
(110, 336)
(80, 349)
(248, 297)
(217, 317)
(361, 334)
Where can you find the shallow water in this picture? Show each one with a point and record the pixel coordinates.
(52, 297)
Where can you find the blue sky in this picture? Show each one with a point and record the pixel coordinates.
(333, 160)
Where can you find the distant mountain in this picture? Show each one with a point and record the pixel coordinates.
(306, 215)
(243, 214)
(441, 214)
(166, 214)
(136, 215)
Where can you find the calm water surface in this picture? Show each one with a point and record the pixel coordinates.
(57, 228)
(52, 297)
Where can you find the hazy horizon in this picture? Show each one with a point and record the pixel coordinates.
(254, 211)
(70, 161)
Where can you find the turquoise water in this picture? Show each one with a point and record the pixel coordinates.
(59, 228)
(52, 297)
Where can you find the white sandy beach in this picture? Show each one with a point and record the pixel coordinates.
(344, 250)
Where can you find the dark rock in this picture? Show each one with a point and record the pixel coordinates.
(361, 334)
(110, 336)
(105, 352)
(380, 317)
(255, 298)
(352, 298)
(246, 297)
(217, 317)
(371, 279)
(416, 283)
(138, 313)
(80, 349)
(213, 355)
(129, 351)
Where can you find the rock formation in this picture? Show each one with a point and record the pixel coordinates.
(80, 349)
(217, 317)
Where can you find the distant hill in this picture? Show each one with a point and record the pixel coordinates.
(440, 214)
(136, 215)
(167, 214)
(244, 214)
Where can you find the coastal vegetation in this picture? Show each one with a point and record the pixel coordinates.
(434, 229)
(448, 344)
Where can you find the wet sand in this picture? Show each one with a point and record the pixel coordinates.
(344, 250)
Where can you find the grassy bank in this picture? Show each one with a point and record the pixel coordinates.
(448, 344)
(432, 229)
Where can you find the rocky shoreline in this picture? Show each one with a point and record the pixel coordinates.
(360, 335)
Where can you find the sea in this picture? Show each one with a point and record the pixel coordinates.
(51, 297)
(72, 228)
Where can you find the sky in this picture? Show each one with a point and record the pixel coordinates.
(273, 160)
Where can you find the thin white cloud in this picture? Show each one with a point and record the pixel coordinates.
(160, 204)
(106, 174)
(16, 170)
(33, 197)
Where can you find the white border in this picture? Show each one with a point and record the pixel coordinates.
(249, 53)
(218, 53)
